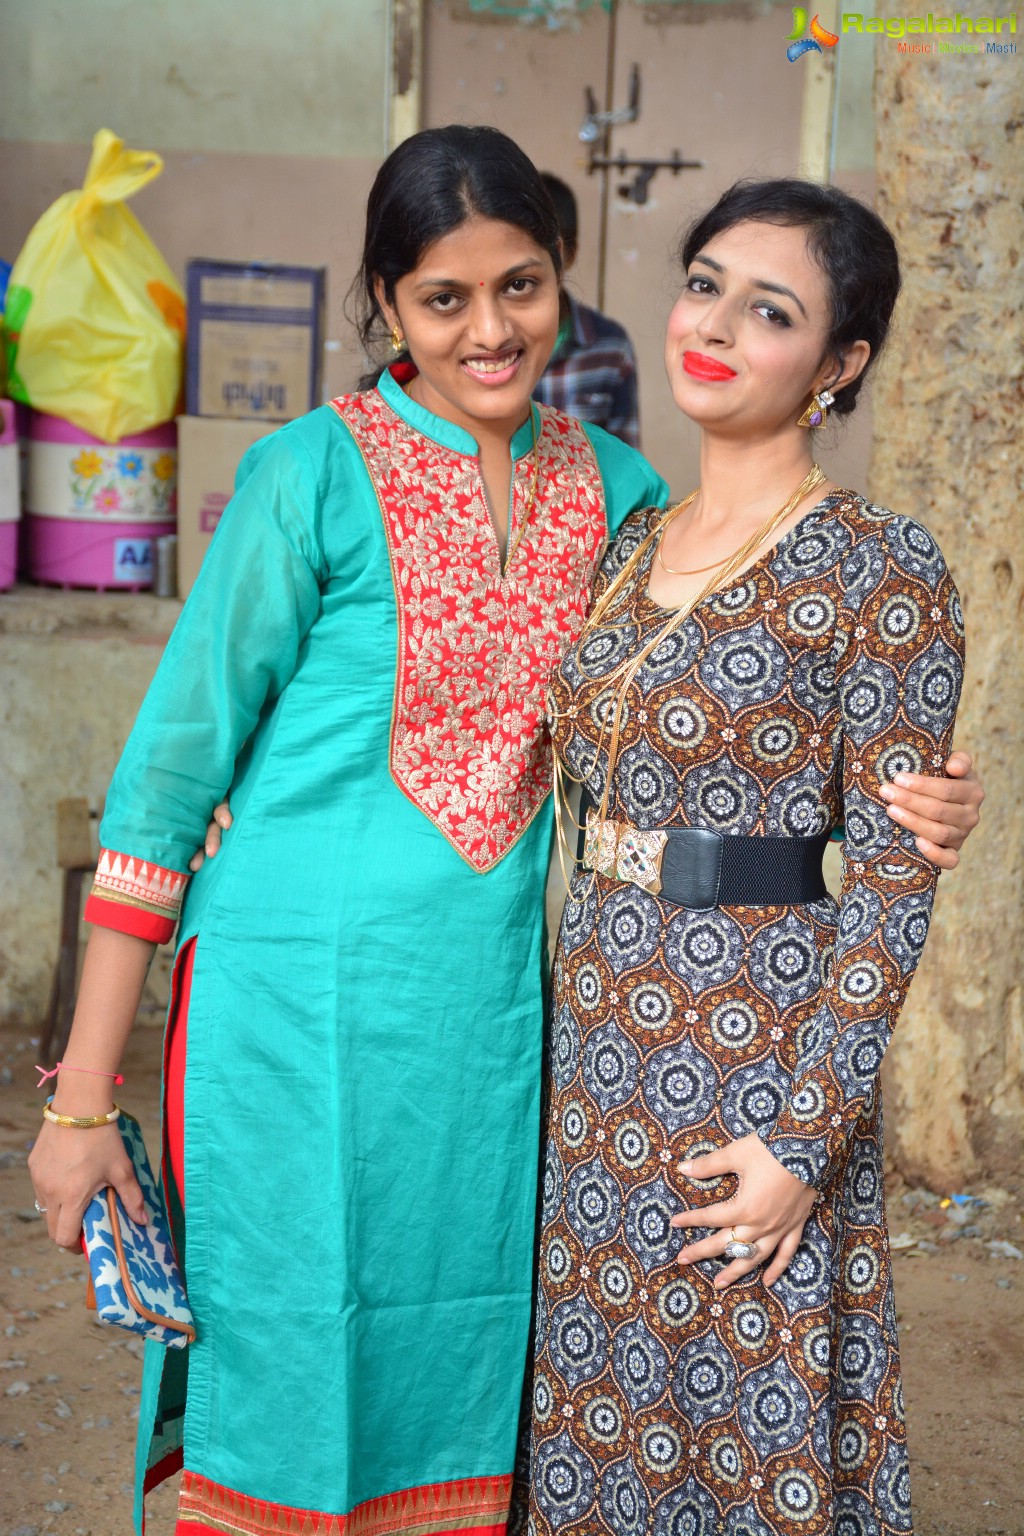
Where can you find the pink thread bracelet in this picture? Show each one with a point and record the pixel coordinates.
(60, 1067)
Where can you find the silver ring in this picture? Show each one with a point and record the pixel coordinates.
(738, 1250)
(40, 1208)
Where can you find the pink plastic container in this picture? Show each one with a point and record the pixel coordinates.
(94, 509)
(10, 495)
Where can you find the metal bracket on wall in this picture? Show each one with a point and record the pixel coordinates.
(596, 126)
(645, 171)
(595, 123)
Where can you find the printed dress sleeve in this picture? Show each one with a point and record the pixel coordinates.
(899, 668)
(232, 651)
(630, 535)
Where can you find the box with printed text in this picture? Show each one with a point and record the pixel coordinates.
(255, 339)
(209, 452)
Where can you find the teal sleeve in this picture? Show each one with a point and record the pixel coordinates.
(233, 649)
(629, 481)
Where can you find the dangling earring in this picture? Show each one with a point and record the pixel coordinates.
(816, 413)
(397, 339)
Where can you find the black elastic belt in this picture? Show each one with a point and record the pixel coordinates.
(702, 869)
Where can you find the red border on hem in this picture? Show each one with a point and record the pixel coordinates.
(206, 1508)
(199, 1528)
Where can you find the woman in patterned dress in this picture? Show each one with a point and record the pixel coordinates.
(716, 1349)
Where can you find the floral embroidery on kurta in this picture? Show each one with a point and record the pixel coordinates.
(476, 645)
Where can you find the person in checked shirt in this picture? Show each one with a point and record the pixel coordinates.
(592, 374)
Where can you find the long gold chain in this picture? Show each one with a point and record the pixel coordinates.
(731, 566)
(531, 496)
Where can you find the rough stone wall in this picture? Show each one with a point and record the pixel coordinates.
(949, 407)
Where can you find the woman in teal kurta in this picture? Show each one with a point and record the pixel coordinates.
(366, 994)
(364, 668)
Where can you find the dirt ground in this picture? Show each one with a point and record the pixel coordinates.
(69, 1386)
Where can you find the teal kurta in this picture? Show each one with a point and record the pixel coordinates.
(364, 1032)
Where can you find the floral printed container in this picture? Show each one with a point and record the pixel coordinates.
(94, 510)
(10, 498)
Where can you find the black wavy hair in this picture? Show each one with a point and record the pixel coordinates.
(850, 243)
(566, 208)
(428, 186)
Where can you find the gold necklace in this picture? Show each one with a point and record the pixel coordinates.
(531, 497)
(810, 482)
(732, 565)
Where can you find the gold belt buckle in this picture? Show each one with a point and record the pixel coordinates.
(624, 853)
(600, 845)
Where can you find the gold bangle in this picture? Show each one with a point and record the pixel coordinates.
(79, 1122)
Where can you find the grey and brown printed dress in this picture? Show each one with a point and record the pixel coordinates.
(662, 1407)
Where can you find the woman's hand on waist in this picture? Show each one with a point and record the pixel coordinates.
(222, 819)
(769, 1210)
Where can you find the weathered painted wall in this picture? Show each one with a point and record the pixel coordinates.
(242, 76)
(948, 448)
(73, 670)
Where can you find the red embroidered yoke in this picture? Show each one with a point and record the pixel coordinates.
(476, 644)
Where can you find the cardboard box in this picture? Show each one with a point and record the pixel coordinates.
(255, 340)
(209, 452)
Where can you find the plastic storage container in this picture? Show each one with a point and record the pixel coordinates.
(94, 509)
(10, 495)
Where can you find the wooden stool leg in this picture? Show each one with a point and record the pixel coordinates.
(76, 858)
(65, 975)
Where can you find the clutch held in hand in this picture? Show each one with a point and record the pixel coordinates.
(133, 1269)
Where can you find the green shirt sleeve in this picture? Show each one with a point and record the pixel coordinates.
(232, 651)
(630, 482)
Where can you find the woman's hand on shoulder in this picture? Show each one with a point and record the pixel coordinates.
(940, 812)
(222, 819)
(769, 1209)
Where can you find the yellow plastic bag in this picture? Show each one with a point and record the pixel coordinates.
(95, 322)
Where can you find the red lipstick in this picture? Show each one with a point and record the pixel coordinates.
(708, 368)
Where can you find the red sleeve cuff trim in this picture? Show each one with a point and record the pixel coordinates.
(129, 879)
(128, 919)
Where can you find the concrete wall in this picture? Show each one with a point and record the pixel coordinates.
(948, 449)
(242, 76)
(73, 670)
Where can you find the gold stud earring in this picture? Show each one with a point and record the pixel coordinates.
(397, 339)
(816, 413)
